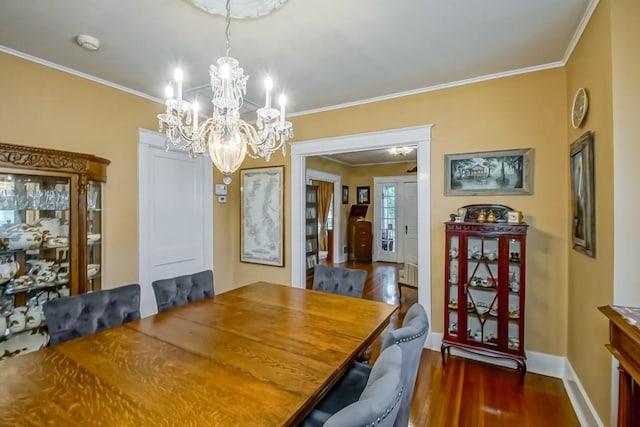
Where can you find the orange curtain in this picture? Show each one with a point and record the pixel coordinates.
(325, 193)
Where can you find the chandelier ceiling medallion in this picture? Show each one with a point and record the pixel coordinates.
(224, 135)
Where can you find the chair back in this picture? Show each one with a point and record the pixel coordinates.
(339, 280)
(86, 314)
(380, 401)
(410, 337)
(181, 290)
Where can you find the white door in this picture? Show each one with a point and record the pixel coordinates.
(175, 215)
(409, 203)
(395, 219)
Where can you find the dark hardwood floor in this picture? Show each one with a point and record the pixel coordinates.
(466, 392)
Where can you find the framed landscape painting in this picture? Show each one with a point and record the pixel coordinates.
(261, 216)
(489, 173)
(583, 211)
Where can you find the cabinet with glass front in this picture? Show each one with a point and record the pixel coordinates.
(485, 285)
(50, 237)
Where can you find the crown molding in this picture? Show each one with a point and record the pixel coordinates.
(78, 73)
(572, 44)
(433, 88)
(581, 27)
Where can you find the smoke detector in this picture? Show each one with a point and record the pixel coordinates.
(88, 42)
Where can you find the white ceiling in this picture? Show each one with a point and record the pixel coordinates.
(323, 53)
(371, 157)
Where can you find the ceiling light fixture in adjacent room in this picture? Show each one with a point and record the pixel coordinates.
(400, 151)
(224, 135)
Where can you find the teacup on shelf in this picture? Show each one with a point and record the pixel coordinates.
(17, 320)
(33, 317)
(57, 241)
(92, 270)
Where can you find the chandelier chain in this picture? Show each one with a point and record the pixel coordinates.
(228, 27)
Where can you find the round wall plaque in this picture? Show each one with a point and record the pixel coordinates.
(579, 107)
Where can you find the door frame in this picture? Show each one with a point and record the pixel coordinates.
(419, 136)
(337, 200)
(148, 140)
(377, 194)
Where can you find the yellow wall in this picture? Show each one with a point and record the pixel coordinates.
(522, 111)
(43, 107)
(591, 279)
(516, 112)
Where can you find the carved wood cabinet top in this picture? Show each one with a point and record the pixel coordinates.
(19, 156)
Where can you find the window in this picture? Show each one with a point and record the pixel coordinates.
(388, 223)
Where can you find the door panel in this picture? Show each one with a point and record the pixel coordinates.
(409, 191)
(175, 216)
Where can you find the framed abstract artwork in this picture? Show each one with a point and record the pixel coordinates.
(583, 211)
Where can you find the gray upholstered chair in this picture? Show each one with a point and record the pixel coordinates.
(410, 337)
(338, 280)
(379, 402)
(181, 290)
(86, 314)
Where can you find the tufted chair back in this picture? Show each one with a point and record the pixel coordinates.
(410, 337)
(183, 289)
(338, 280)
(378, 403)
(86, 314)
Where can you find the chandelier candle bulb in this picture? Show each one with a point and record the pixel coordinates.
(195, 107)
(177, 75)
(268, 85)
(169, 92)
(283, 102)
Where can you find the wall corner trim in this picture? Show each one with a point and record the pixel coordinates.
(580, 401)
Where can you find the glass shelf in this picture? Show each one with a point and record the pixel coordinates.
(22, 289)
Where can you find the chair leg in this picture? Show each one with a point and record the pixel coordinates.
(365, 356)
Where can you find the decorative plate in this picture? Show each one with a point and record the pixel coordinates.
(579, 107)
(24, 342)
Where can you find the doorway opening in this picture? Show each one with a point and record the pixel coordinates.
(419, 136)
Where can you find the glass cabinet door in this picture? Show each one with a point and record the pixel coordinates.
(34, 256)
(452, 286)
(94, 236)
(516, 278)
(481, 290)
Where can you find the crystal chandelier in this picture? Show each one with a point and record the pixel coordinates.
(224, 135)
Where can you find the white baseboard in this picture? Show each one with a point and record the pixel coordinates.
(538, 363)
(580, 401)
(544, 364)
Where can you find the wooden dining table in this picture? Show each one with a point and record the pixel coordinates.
(259, 355)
